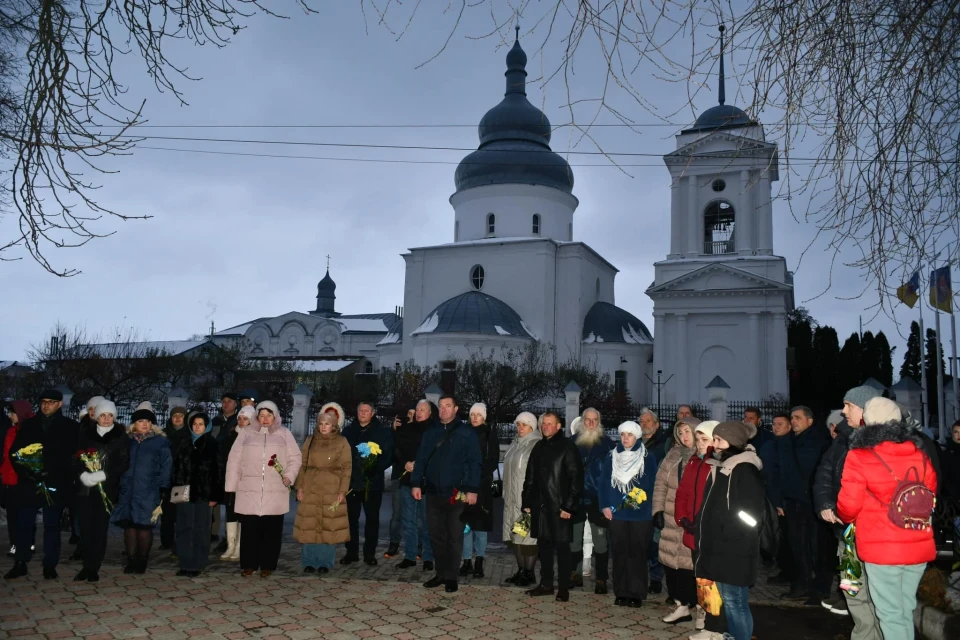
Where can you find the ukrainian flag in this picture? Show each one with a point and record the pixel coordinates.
(941, 291)
(909, 292)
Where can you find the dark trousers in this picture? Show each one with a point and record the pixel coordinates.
(94, 523)
(168, 522)
(193, 535)
(629, 542)
(26, 531)
(396, 515)
(784, 552)
(548, 549)
(260, 542)
(804, 531)
(681, 585)
(371, 528)
(446, 535)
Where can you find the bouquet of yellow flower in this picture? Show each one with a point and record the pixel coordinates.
(333, 507)
(634, 498)
(31, 459)
(522, 526)
(369, 454)
(92, 459)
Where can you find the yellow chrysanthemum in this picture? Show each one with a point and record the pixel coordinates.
(33, 449)
(375, 449)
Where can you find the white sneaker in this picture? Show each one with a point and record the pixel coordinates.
(706, 635)
(680, 614)
(701, 618)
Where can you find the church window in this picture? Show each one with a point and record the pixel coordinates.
(536, 223)
(491, 224)
(476, 277)
(718, 228)
(368, 367)
(718, 185)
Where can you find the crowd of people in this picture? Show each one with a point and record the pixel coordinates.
(693, 509)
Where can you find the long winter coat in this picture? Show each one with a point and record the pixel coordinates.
(690, 495)
(259, 488)
(672, 552)
(114, 449)
(325, 474)
(480, 515)
(151, 469)
(198, 465)
(728, 548)
(867, 487)
(59, 435)
(554, 483)
(514, 472)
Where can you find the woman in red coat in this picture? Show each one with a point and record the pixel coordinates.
(690, 491)
(881, 454)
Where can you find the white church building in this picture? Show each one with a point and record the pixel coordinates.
(514, 274)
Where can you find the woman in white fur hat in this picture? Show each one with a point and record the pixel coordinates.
(514, 472)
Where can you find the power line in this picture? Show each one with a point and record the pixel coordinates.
(567, 125)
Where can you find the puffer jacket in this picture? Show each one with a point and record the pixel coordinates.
(728, 546)
(151, 470)
(672, 552)
(867, 488)
(258, 487)
(198, 465)
(553, 483)
(690, 496)
(325, 474)
(514, 472)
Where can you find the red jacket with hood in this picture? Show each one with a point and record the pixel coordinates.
(690, 494)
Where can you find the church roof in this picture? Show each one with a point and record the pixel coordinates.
(474, 312)
(326, 287)
(609, 323)
(514, 140)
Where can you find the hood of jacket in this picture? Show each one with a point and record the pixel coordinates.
(895, 432)
(747, 456)
(23, 410)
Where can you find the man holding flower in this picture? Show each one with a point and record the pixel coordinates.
(371, 445)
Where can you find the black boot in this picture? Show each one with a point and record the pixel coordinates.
(222, 547)
(600, 568)
(515, 578)
(131, 566)
(478, 568)
(527, 579)
(142, 564)
(18, 571)
(466, 568)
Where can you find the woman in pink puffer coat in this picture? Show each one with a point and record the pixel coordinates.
(263, 494)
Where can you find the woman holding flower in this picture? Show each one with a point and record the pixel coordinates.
(321, 489)
(262, 466)
(102, 460)
(626, 481)
(151, 468)
(198, 466)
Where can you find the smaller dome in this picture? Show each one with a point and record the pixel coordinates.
(609, 323)
(474, 312)
(327, 286)
(517, 57)
(722, 116)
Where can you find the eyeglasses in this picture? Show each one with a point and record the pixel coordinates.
(50, 401)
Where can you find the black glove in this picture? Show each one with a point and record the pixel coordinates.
(687, 525)
(658, 520)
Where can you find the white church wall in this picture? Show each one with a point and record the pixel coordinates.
(579, 271)
(513, 207)
(631, 358)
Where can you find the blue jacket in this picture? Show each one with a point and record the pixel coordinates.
(373, 432)
(150, 470)
(448, 459)
(799, 456)
(593, 458)
(611, 497)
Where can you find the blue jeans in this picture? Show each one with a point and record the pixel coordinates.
(737, 607)
(317, 556)
(893, 589)
(414, 526)
(475, 541)
(27, 528)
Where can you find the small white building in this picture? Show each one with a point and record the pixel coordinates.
(721, 296)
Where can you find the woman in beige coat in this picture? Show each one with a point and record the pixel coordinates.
(321, 521)
(514, 472)
(677, 560)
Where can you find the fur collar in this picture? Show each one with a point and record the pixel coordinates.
(871, 436)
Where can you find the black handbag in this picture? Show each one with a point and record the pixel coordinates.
(496, 486)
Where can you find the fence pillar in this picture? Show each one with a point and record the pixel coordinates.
(717, 389)
(176, 397)
(433, 393)
(572, 395)
(301, 403)
(67, 397)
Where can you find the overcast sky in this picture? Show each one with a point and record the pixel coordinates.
(234, 237)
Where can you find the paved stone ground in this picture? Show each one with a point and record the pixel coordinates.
(351, 602)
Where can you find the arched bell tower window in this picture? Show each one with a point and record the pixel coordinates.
(718, 228)
(536, 224)
(491, 224)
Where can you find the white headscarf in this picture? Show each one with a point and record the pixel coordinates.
(628, 464)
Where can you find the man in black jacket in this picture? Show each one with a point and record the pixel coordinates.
(552, 495)
(58, 435)
(447, 474)
(396, 513)
(366, 483)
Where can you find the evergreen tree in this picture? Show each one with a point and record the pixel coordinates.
(911, 357)
(868, 356)
(826, 356)
(930, 364)
(850, 355)
(800, 340)
(885, 359)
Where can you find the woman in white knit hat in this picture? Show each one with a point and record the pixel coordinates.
(479, 517)
(514, 472)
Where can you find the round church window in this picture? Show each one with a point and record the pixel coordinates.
(718, 185)
(476, 277)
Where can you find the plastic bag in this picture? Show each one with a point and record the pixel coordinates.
(708, 596)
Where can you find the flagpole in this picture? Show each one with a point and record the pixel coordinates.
(953, 367)
(924, 398)
(941, 418)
